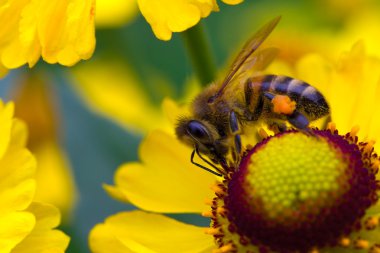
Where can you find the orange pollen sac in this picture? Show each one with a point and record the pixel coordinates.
(283, 105)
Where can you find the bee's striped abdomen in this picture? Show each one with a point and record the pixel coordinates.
(308, 98)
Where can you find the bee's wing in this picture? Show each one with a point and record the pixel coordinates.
(247, 51)
(256, 62)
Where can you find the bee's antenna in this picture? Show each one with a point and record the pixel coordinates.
(203, 167)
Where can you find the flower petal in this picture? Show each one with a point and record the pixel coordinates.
(44, 238)
(6, 114)
(233, 2)
(124, 100)
(167, 16)
(17, 185)
(35, 106)
(115, 193)
(63, 31)
(143, 232)
(165, 181)
(111, 13)
(14, 227)
(55, 184)
(17, 197)
(173, 111)
(19, 134)
(68, 38)
(16, 166)
(3, 71)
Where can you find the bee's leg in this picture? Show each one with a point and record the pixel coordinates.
(298, 120)
(277, 127)
(326, 121)
(196, 151)
(234, 128)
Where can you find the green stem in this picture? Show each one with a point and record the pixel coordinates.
(199, 50)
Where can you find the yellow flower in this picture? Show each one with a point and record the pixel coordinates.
(169, 16)
(26, 225)
(166, 182)
(59, 31)
(115, 13)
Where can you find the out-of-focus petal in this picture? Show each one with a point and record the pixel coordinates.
(35, 104)
(143, 232)
(6, 113)
(19, 134)
(111, 13)
(112, 90)
(233, 2)
(165, 180)
(55, 182)
(3, 71)
(167, 16)
(172, 111)
(44, 238)
(362, 26)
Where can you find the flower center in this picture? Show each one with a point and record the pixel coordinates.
(284, 181)
(295, 192)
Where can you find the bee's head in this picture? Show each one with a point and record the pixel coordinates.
(202, 135)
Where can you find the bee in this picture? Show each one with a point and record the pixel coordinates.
(224, 110)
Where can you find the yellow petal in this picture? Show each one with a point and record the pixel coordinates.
(6, 114)
(55, 183)
(233, 2)
(17, 185)
(34, 105)
(14, 227)
(110, 13)
(115, 193)
(3, 71)
(167, 16)
(17, 197)
(143, 232)
(173, 111)
(10, 15)
(111, 89)
(44, 238)
(102, 239)
(312, 68)
(165, 181)
(19, 134)
(16, 166)
(357, 27)
(47, 216)
(66, 30)
(62, 32)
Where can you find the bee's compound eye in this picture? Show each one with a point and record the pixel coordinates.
(197, 130)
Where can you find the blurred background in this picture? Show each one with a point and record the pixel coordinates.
(86, 120)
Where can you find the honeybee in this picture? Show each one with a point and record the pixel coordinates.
(223, 110)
